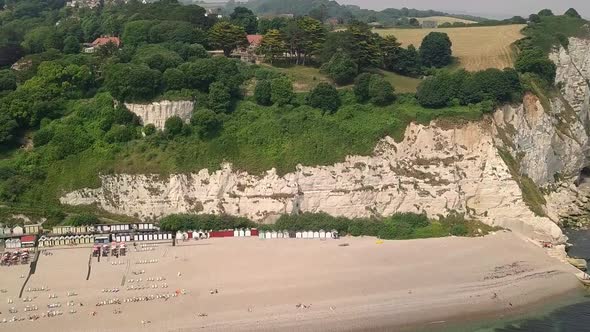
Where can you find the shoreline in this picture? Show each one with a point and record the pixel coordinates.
(310, 285)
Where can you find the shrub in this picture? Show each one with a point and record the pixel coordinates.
(262, 92)
(206, 122)
(173, 126)
(119, 134)
(435, 91)
(219, 97)
(459, 230)
(534, 60)
(325, 97)
(7, 80)
(361, 87)
(281, 91)
(174, 79)
(380, 91)
(341, 69)
(149, 129)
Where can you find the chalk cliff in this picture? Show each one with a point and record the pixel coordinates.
(523, 158)
(157, 113)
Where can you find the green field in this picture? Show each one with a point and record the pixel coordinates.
(306, 77)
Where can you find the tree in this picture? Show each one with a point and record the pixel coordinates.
(219, 97)
(572, 13)
(228, 37)
(545, 12)
(244, 18)
(137, 32)
(71, 45)
(206, 122)
(119, 134)
(8, 127)
(7, 80)
(390, 50)
(414, 22)
(157, 57)
(262, 92)
(408, 62)
(435, 91)
(534, 18)
(365, 51)
(173, 126)
(361, 87)
(132, 82)
(281, 90)
(272, 45)
(435, 50)
(149, 129)
(533, 60)
(341, 69)
(325, 97)
(172, 31)
(174, 79)
(380, 91)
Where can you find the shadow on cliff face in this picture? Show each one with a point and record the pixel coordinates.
(584, 177)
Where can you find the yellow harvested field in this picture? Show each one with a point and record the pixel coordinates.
(476, 48)
(443, 19)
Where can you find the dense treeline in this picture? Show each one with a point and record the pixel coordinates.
(399, 226)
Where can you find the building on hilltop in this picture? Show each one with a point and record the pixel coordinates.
(429, 24)
(84, 3)
(100, 42)
(249, 53)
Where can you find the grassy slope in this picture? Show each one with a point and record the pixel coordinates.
(255, 139)
(305, 78)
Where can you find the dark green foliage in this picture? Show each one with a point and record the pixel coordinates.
(226, 36)
(534, 60)
(7, 80)
(408, 62)
(82, 220)
(380, 91)
(172, 32)
(8, 127)
(435, 50)
(341, 68)
(149, 129)
(184, 222)
(244, 18)
(361, 87)
(493, 85)
(534, 18)
(219, 97)
(206, 123)
(545, 12)
(281, 91)
(325, 97)
(262, 93)
(119, 134)
(174, 79)
(132, 82)
(173, 126)
(459, 230)
(137, 32)
(71, 45)
(157, 57)
(572, 13)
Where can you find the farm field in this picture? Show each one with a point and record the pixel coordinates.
(476, 48)
(305, 78)
(444, 19)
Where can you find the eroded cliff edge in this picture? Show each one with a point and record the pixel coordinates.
(515, 169)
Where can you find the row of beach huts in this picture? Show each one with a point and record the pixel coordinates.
(253, 232)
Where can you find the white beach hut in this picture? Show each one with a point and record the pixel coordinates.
(322, 234)
(17, 230)
(306, 234)
(242, 233)
(236, 233)
(248, 232)
(316, 235)
(7, 230)
(298, 235)
(273, 234)
(268, 234)
(178, 236)
(261, 235)
(285, 234)
(280, 234)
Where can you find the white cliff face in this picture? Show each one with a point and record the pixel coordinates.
(436, 169)
(157, 113)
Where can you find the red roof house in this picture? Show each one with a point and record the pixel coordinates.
(254, 40)
(102, 41)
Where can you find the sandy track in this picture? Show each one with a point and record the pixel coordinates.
(260, 282)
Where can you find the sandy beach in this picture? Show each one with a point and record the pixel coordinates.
(288, 284)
